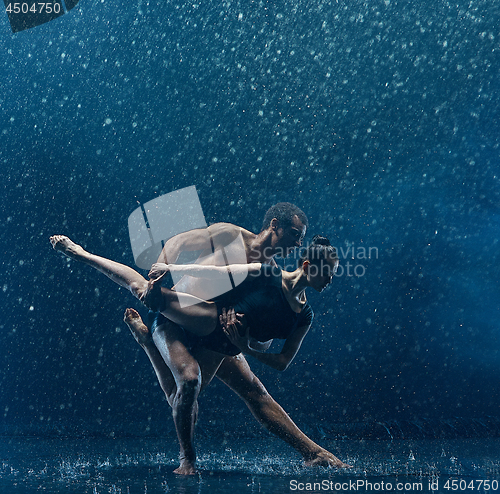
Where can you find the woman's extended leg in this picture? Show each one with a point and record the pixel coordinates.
(193, 314)
(122, 275)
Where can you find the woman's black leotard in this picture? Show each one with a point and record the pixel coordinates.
(268, 314)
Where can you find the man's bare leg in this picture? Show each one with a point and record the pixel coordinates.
(184, 365)
(167, 382)
(180, 389)
(143, 336)
(187, 374)
(236, 373)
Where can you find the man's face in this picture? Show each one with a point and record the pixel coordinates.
(290, 237)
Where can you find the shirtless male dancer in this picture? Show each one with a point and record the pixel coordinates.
(183, 371)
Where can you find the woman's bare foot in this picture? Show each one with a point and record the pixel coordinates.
(67, 247)
(326, 459)
(137, 327)
(186, 468)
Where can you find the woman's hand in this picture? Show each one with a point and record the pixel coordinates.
(158, 271)
(231, 323)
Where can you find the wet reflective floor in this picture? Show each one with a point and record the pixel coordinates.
(29, 465)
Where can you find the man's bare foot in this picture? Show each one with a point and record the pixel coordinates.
(326, 459)
(186, 468)
(67, 247)
(137, 327)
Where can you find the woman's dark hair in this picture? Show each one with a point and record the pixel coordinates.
(284, 213)
(319, 249)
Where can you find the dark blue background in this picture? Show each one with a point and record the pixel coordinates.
(379, 119)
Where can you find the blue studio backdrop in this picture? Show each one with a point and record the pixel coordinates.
(379, 119)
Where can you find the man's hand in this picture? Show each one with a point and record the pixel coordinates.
(158, 271)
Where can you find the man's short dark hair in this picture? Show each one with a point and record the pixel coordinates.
(284, 213)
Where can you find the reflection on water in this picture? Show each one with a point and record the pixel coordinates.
(99, 466)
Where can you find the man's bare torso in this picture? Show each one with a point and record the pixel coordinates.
(220, 244)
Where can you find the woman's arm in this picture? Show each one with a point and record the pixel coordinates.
(203, 270)
(279, 361)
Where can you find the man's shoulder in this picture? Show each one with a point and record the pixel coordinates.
(229, 231)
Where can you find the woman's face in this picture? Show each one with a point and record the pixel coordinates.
(320, 273)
